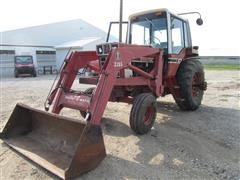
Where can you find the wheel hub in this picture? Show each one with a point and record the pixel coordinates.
(149, 115)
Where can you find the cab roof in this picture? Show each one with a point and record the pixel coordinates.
(152, 11)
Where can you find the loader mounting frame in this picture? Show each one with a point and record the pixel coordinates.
(111, 75)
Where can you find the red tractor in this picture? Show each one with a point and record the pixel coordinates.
(138, 72)
(158, 59)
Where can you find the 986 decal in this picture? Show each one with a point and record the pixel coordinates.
(76, 98)
(118, 64)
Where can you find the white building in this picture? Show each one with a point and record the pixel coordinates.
(84, 44)
(48, 44)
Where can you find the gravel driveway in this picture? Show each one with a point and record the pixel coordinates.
(204, 144)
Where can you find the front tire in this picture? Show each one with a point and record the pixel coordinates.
(191, 81)
(143, 113)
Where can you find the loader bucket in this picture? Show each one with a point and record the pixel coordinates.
(66, 147)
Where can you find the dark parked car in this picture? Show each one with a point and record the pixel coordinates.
(24, 65)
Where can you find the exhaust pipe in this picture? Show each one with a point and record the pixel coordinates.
(120, 21)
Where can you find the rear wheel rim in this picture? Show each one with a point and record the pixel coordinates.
(196, 81)
(148, 117)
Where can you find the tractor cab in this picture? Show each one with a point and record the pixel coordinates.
(160, 29)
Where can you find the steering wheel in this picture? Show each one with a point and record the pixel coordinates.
(154, 44)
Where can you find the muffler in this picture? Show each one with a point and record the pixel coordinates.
(64, 146)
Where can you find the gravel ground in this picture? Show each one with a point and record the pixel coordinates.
(204, 144)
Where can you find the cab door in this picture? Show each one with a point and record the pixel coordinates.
(179, 42)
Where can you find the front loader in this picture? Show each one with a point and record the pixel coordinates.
(158, 59)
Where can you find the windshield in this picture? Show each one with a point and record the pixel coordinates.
(23, 60)
(150, 30)
(113, 32)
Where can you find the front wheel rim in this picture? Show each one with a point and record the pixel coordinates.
(149, 115)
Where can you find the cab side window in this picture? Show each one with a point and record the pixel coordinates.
(186, 36)
(177, 35)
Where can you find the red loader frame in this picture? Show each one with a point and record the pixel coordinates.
(111, 76)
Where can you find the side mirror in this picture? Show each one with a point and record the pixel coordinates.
(199, 21)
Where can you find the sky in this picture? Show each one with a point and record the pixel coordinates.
(220, 32)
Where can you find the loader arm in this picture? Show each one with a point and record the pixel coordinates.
(68, 74)
(109, 77)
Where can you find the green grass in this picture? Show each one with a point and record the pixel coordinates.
(233, 67)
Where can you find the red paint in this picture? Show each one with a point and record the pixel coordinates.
(195, 85)
(112, 85)
(149, 115)
(23, 65)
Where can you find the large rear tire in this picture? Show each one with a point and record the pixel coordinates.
(191, 81)
(143, 113)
